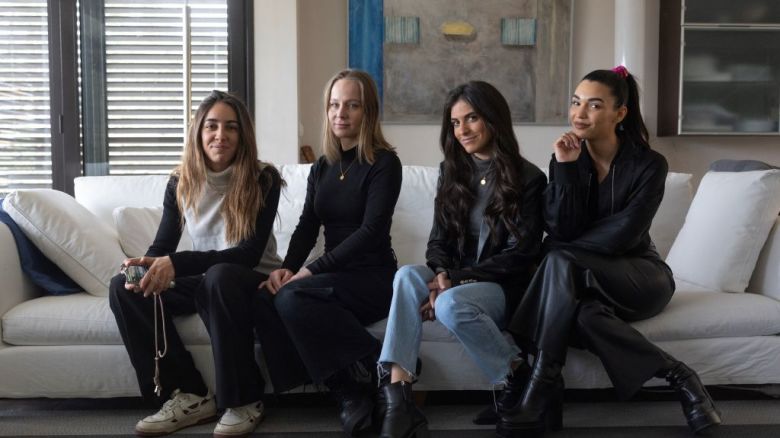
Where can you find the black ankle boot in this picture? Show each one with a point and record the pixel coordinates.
(402, 419)
(508, 398)
(380, 405)
(697, 405)
(540, 406)
(354, 400)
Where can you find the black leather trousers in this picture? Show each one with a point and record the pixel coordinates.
(583, 299)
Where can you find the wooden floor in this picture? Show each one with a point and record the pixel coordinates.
(582, 417)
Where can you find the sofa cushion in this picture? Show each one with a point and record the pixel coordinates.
(766, 277)
(290, 208)
(40, 270)
(670, 217)
(725, 229)
(79, 319)
(413, 215)
(69, 235)
(137, 226)
(694, 315)
(740, 165)
(689, 315)
(102, 194)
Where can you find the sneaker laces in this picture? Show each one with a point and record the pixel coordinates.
(246, 411)
(172, 402)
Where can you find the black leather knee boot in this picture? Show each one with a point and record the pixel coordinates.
(697, 405)
(540, 406)
(402, 419)
(508, 398)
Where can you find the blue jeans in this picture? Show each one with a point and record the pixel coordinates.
(472, 312)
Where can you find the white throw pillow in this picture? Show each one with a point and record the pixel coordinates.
(102, 194)
(137, 226)
(74, 239)
(725, 228)
(290, 208)
(413, 216)
(671, 213)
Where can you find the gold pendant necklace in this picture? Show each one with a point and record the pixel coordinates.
(343, 173)
(483, 181)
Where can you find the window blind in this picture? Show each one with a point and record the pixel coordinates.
(162, 59)
(25, 131)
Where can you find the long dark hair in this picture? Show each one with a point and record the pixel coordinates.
(454, 197)
(625, 90)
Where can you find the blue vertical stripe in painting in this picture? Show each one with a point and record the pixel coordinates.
(366, 32)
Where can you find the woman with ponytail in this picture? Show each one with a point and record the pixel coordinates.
(482, 250)
(600, 270)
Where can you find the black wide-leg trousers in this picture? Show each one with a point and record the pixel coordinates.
(326, 315)
(235, 314)
(584, 299)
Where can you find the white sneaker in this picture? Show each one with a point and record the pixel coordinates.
(240, 421)
(180, 411)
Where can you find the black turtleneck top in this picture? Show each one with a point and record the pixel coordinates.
(356, 212)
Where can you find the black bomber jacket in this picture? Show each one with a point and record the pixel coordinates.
(571, 202)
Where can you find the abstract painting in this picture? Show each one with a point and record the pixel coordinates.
(418, 50)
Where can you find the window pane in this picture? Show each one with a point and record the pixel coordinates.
(25, 134)
(146, 82)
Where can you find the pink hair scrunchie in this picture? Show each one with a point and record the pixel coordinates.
(621, 71)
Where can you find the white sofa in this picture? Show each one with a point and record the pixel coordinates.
(69, 346)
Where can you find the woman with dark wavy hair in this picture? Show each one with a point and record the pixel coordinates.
(600, 270)
(485, 240)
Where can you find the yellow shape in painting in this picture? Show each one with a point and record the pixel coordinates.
(457, 29)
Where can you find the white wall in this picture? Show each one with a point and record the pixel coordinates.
(276, 80)
(322, 41)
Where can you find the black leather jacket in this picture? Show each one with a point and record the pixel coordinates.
(617, 224)
(512, 262)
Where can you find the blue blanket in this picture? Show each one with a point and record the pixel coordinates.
(42, 271)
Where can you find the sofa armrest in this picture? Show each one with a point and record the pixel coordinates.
(15, 287)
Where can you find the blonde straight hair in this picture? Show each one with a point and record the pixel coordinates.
(370, 138)
(244, 197)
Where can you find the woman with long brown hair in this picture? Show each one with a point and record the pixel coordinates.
(226, 199)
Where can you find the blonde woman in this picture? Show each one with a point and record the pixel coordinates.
(227, 201)
(352, 191)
